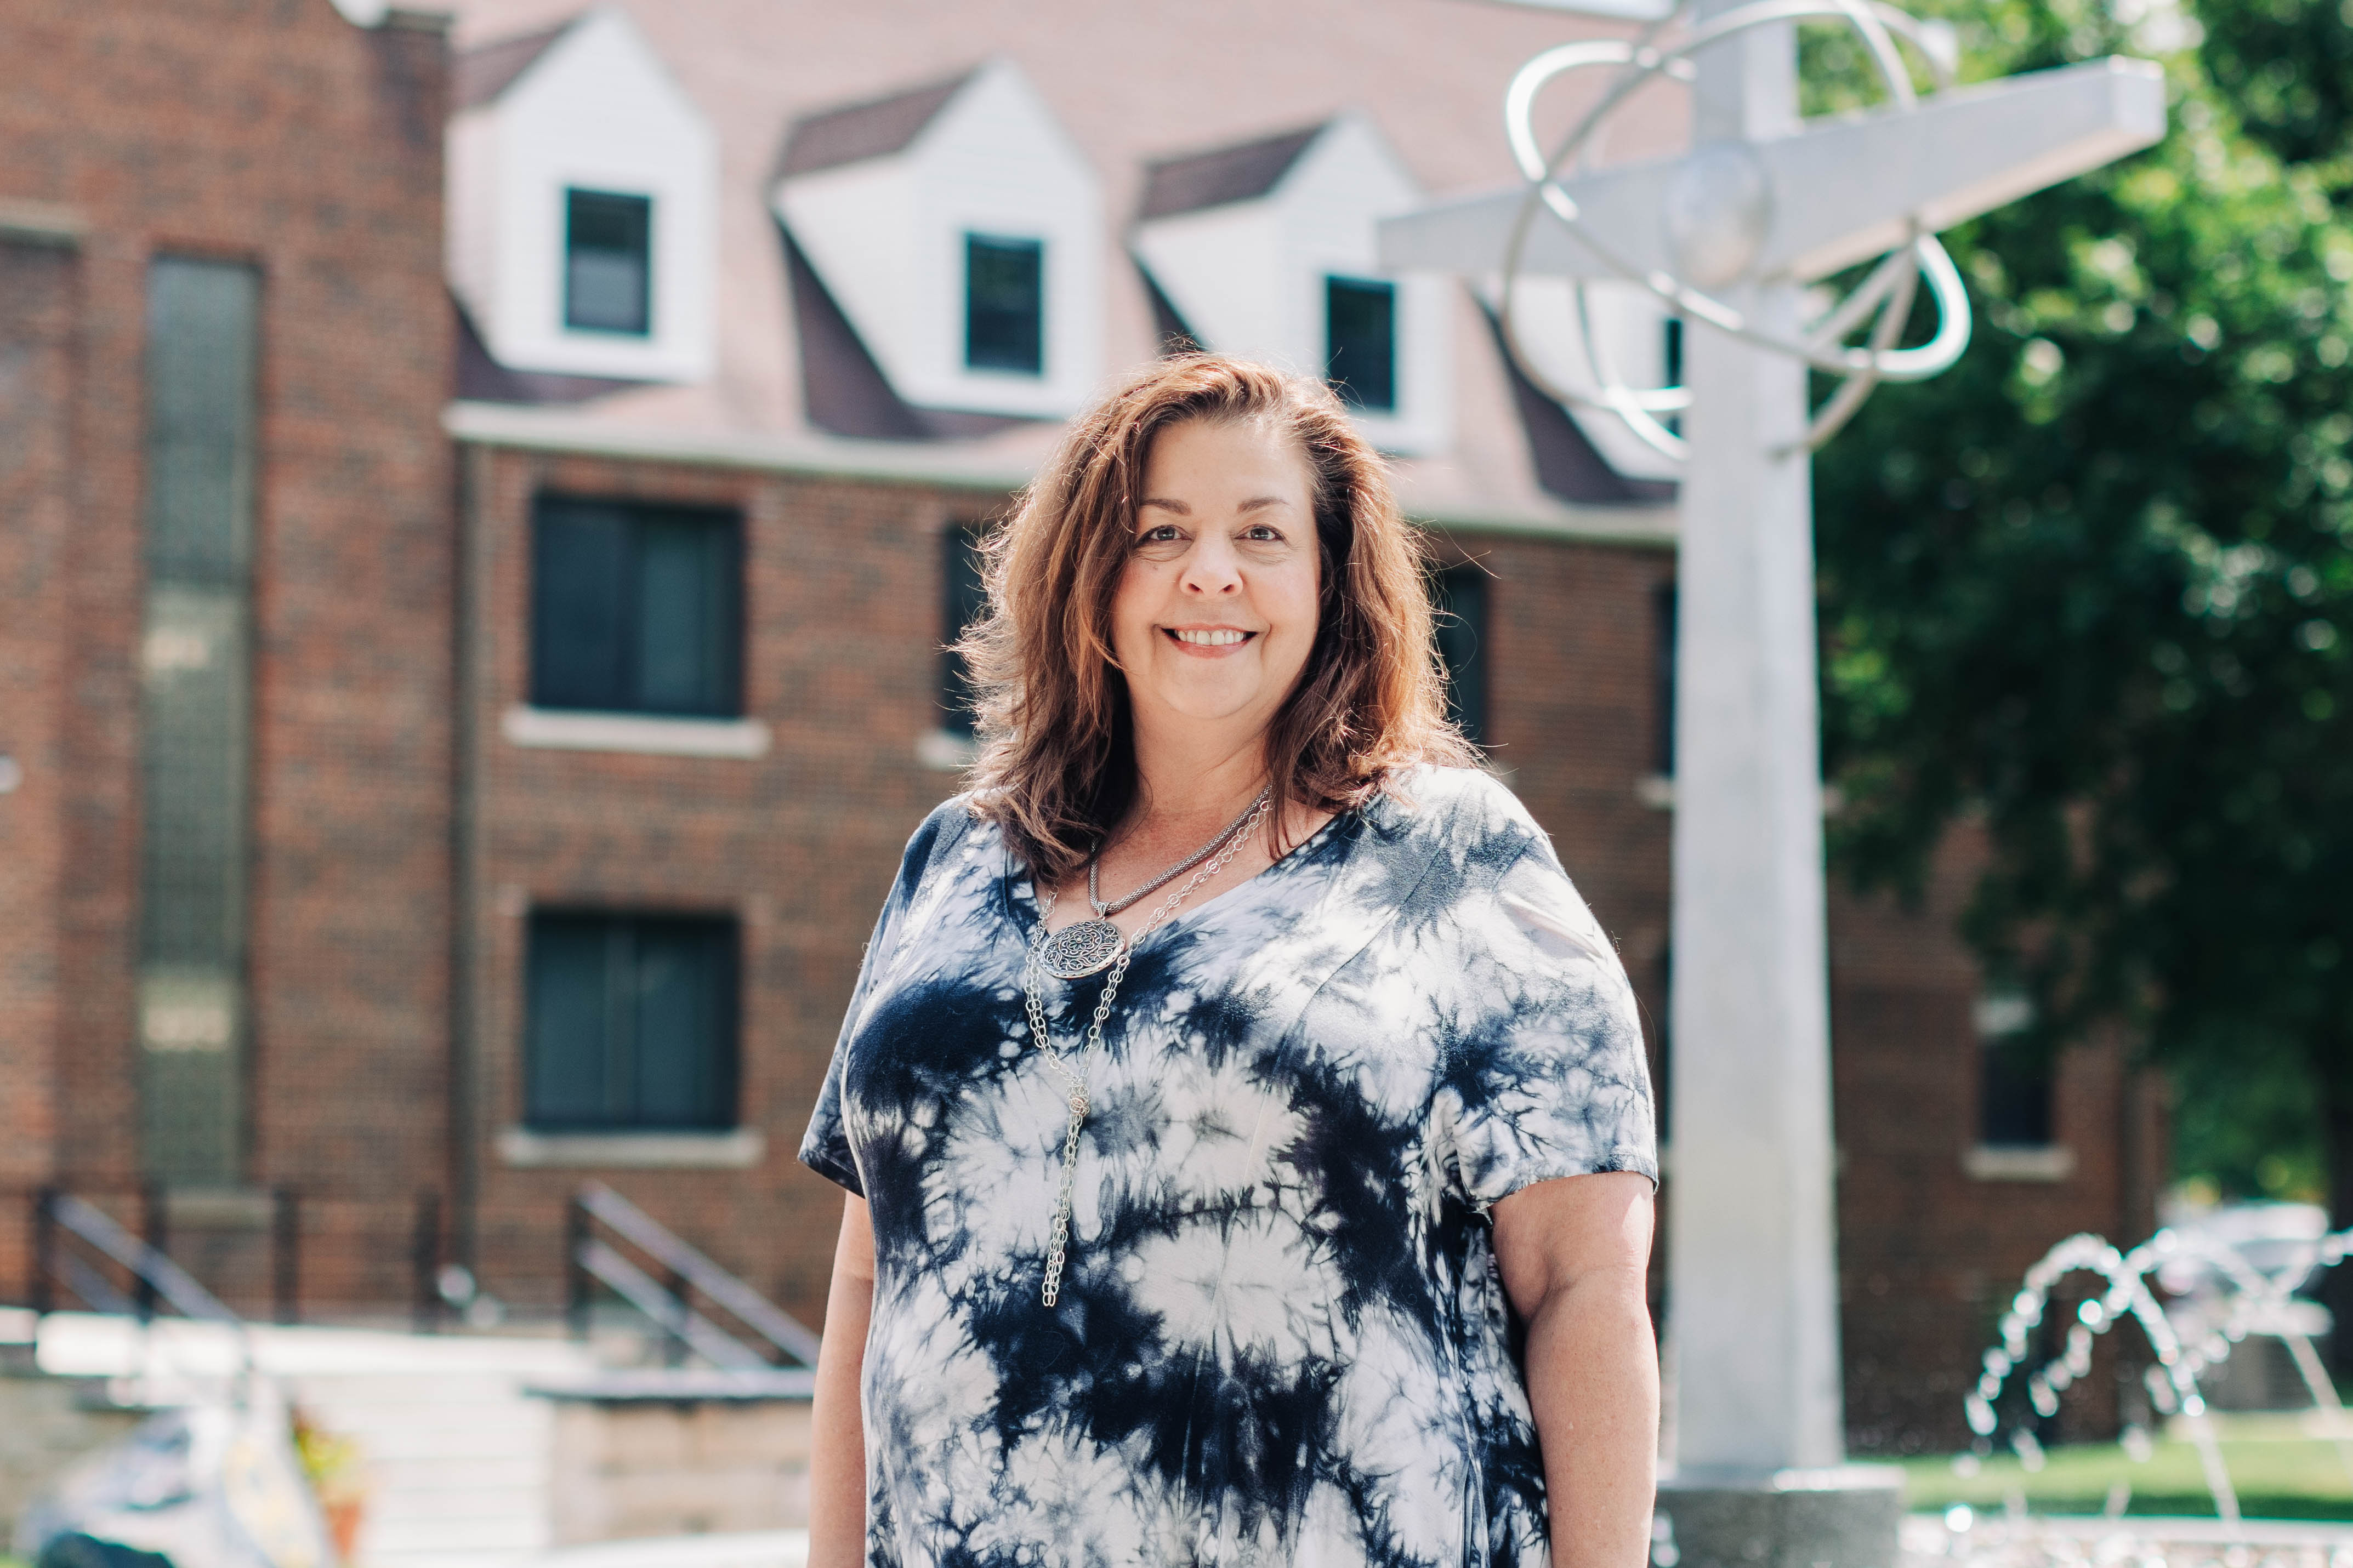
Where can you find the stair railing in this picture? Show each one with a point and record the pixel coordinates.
(590, 1260)
(155, 1278)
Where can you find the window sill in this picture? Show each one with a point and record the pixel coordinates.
(649, 735)
(945, 751)
(736, 1150)
(1992, 1162)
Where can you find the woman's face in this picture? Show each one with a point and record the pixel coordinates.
(1217, 607)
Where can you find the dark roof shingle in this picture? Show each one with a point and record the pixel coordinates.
(479, 75)
(1237, 173)
(856, 131)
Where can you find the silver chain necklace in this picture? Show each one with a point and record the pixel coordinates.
(1227, 845)
(1088, 947)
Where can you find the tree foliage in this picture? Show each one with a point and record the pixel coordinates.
(2093, 586)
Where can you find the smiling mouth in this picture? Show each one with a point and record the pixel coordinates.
(1217, 636)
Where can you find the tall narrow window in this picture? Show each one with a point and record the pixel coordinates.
(608, 262)
(2014, 1080)
(202, 335)
(636, 609)
(965, 598)
(1663, 676)
(631, 1022)
(1458, 597)
(1671, 356)
(1360, 341)
(1004, 304)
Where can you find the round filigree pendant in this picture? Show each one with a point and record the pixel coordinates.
(1084, 947)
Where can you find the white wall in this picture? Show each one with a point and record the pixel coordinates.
(1629, 331)
(595, 112)
(887, 237)
(1249, 277)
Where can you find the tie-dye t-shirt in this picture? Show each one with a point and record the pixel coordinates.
(1281, 1338)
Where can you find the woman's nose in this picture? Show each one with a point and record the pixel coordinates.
(1213, 567)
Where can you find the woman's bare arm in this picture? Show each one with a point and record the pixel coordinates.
(838, 1430)
(1574, 1254)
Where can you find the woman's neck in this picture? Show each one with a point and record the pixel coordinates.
(1183, 781)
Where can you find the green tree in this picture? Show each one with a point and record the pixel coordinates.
(2093, 586)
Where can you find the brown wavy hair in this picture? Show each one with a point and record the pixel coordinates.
(1057, 767)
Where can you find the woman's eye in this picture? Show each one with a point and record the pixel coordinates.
(1259, 534)
(1164, 534)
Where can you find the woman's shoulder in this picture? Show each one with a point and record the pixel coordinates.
(946, 827)
(1467, 813)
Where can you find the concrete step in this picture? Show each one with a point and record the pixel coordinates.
(458, 1455)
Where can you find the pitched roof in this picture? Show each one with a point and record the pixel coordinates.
(856, 131)
(479, 75)
(1240, 172)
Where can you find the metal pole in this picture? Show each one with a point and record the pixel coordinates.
(575, 1276)
(424, 1263)
(43, 1293)
(286, 1255)
(156, 1232)
(674, 1351)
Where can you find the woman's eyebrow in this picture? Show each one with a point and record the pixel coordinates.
(1256, 503)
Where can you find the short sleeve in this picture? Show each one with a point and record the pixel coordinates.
(1547, 1078)
(826, 1147)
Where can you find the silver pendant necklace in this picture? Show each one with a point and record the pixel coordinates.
(1088, 947)
(1227, 845)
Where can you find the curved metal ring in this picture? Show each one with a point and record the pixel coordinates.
(1884, 298)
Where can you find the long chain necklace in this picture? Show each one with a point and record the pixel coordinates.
(1227, 845)
(1088, 947)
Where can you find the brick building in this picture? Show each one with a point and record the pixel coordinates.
(471, 640)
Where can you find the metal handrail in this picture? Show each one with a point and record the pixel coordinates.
(689, 1267)
(170, 1282)
(635, 1286)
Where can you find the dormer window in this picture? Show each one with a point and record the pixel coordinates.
(583, 206)
(1360, 341)
(948, 249)
(607, 261)
(1003, 304)
(1269, 250)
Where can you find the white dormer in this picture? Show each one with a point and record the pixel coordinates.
(583, 205)
(1267, 250)
(960, 231)
(1636, 343)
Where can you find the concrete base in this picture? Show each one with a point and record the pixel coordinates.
(1843, 1518)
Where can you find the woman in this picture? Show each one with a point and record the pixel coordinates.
(1246, 1125)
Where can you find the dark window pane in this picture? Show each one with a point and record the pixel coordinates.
(631, 1022)
(608, 262)
(1004, 304)
(1360, 340)
(1672, 352)
(568, 1053)
(1458, 596)
(202, 359)
(1662, 676)
(966, 601)
(2014, 1100)
(580, 630)
(688, 594)
(636, 609)
(685, 1002)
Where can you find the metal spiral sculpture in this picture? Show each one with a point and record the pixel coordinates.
(1728, 181)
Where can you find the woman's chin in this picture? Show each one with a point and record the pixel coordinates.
(1208, 703)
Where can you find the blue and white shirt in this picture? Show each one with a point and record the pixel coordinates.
(1281, 1338)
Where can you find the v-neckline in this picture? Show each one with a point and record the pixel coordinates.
(1018, 889)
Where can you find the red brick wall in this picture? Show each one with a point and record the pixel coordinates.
(36, 300)
(271, 131)
(842, 614)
